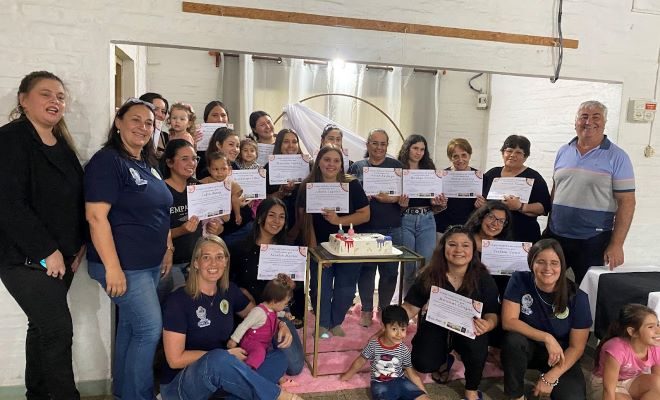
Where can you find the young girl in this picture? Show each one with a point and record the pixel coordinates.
(627, 364)
(255, 334)
(182, 122)
(247, 158)
(219, 169)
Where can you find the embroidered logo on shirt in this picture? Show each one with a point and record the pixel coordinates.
(137, 178)
(526, 304)
(201, 314)
(224, 306)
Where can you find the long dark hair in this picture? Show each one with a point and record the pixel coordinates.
(219, 136)
(279, 139)
(630, 316)
(404, 153)
(565, 289)
(473, 223)
(434, 273)
(260, 219)
(114, 140)
(213, 104)
(170, 152)
(60, 130)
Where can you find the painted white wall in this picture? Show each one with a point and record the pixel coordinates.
(72, 39)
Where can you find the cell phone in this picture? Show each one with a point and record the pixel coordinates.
(43, 263)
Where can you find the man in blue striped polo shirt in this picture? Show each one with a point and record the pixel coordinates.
(593, 195)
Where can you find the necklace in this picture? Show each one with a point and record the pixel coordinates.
(213, 297)
(542, 299)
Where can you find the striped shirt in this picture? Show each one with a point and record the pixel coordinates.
(387, 363)
(584, 203)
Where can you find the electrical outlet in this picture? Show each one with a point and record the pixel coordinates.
(649, 151)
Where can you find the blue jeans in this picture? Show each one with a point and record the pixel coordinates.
(138, 331)
(294, 353)
(219, 370)
(337, 291)
(419, 236)
(396, 389)
(175, 279)
(387, 281)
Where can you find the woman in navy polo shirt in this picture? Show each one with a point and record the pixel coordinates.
(547, 320)
(128, 210)
(197, 322)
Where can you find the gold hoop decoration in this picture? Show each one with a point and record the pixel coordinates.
(353, 97)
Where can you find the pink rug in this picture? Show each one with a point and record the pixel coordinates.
(337, 353)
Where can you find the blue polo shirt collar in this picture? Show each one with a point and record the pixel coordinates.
(604, 145)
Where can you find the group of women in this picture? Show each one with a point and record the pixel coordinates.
(129, 210)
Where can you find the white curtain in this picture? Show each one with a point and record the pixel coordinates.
(408, 97)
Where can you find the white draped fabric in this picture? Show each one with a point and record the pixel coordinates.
(410, 98)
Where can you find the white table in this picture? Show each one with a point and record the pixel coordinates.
(589, 284)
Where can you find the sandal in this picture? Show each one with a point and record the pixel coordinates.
(442, 375)
(286, 383)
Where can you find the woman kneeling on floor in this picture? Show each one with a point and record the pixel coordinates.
(197, 322)
(453, 268)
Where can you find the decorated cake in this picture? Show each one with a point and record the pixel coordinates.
(360, 244)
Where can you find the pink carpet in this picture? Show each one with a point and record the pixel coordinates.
(337, 353)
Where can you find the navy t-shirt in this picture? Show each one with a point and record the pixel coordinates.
(457, 212)
(184, 244)
(140, 207)
(322, 228)
(536, 313)
(524, 227)
(207, 321)
(383, 215)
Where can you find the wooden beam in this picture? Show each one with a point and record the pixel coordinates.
(372, 25)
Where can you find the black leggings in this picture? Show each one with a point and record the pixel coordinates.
(432, 344)
(520, 353)
(48, 368)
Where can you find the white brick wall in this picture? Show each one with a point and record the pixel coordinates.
(72, 38)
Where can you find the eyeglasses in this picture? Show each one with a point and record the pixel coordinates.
(517, 153)
(134, 100)
(498, 221)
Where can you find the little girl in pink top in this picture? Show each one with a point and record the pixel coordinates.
(628, 359)
(255, 334)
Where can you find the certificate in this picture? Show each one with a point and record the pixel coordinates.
(252, 181)
(344, 152)
(263, 151)
(209, 200)
(277, 259)
(207, 132)
(322, 196)
(453, 311)
(283, 168)
(503, 257)
(519, 187)
(422, 183)
(462, 184)
(381, 180)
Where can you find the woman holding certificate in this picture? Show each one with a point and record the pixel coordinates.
(418, 222)
(338, 280)
(42, 230)
(286, 142)
(515, 151)
(198, 320)
(454, 268)
(459, 152)
(269, 228)
(547, 320)
(128, 210)
(226, 141)
(215, 112)
(386, 221)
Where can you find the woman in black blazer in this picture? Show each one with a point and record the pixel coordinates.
(42, 229)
